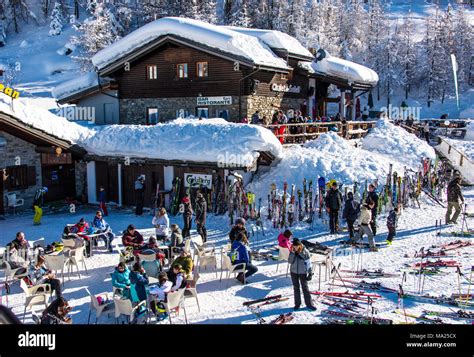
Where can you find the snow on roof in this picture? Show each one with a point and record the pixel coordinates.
(275, 39)
(209, 140)
(77, 85)
(221, 38)
(338, 67)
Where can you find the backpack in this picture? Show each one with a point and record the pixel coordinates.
(234, 255)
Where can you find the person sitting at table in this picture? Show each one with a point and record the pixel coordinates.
(139, 281)
(131, 238)
(162, 288)
(121, 280)
(176, 238)
(176, 276)
(185, 261)
(17, 253)
(103, 228)
(161, 222)
(56, 313)
(39, 274)
(240, 254)
(152, 247)
(82, 228)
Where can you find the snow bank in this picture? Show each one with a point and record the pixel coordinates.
(211, 140)
(218, 37)
(391, 140)
(76, 85)
(275, 39)
(467, 113)
(338, 67)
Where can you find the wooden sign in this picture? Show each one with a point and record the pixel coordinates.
(54, 159)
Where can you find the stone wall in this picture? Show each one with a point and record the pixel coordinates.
(267, 105)
(133, 111)
(80, 172)
(18, 148)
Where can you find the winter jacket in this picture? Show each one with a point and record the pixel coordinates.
(101, 224)
(454, 192)
(178, 280)
(374, 197)
(255, 118)
(139, 282)
(177, 238)
(121, 280)
(240, 252)
(164, 223)
(333, 199)
(188, 210)
(201, 211)
(102, 196)
(284, 241)
(236, 231)
(300, 263)
(139, 185)
(351, 210)
(365, 215)
(186, 264)
(132, 240)
(392, 219)
(38, 199)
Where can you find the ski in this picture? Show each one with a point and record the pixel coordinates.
(419, 317)
(291, 206)
(322, 188)
(460, 314)
(370, 273)
(373, 320)
(252, 302)
(283, 207)
(282, 319)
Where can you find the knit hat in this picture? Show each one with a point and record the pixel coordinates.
(240, 221)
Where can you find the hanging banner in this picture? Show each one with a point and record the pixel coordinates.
(197, 180)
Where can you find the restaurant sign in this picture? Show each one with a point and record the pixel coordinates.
(227, 100)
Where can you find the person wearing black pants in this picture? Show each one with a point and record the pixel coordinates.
(301, 272)
(201, 212)
(240, 253)
(333, 204)
(374, 197)
(350, 213)
(187, 217)
(140, 194)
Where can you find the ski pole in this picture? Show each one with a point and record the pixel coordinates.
(458, 271)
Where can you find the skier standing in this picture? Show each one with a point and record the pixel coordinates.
(365, 219)
(351, 213)
(140, 194)
(392, 220)
(161, 222)
(374, 197)
(201, 213)
(454, 195)
(301, 273)
(333, 204)
(187, 217)
(38, 204)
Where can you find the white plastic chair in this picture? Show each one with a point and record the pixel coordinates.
(106, 308)
(56, 263)
(76, 256)
(147, 257)
(68, 245)
(230, 268)
(283, 254)
(319, 260)
(35, 298)
(205, 257)
(190, 290)
(174, 300)
(125, 307)
(14, 202)
(36, 243)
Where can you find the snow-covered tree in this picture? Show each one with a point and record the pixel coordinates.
(240, 13)
(352, 29)
(330, 24)
(463, 34)
(407, 52)
(15, 11)
(57, 19)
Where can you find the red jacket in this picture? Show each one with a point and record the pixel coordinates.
(132, 240)
(284, 242)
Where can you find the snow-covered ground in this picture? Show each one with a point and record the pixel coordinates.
(221, 302)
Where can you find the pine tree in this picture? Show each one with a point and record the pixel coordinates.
(240, 13)
(15, 11)
(57, 20)
(463, 34)
(330, 28)
(407, 51)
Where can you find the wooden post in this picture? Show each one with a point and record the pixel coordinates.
(342, 103)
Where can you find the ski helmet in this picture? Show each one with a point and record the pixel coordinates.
(45, 189)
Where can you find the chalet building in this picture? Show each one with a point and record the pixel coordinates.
(30, 159)
(177, 67)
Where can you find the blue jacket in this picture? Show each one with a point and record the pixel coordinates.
(102, 196)
(121, 280)
(243, 253)
(139, 282)
(100, 223)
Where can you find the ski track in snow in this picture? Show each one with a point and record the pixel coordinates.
(221, 302)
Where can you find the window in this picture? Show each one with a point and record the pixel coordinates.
(202, 69)
(284, 76)
(17, 177)
(202, 112)
(182, 70)
(151, 116)
(151, 72)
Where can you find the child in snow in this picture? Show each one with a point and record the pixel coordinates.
(284, 239)
(392, 220)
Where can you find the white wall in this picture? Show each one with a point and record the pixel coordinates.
(91, 183)
(168, 173)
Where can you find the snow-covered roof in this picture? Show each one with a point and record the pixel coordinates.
(211, 140)
(77, 85)
(338, 67)
(275, 39)
(218, 37)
